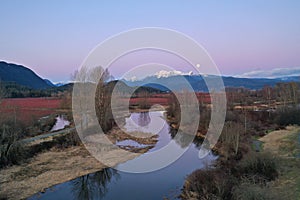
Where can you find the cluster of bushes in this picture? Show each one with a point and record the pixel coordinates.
(239, 173)
(261, 167)
(207, 184)
(70, 139)
(11, 150)
(61, 141)
(246, 180)
(288, 116)
(40, 126)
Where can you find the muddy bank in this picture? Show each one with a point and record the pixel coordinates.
(46, 169)
(53, 167)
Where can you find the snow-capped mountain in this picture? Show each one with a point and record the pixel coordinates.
(165, 74)
(172, 81)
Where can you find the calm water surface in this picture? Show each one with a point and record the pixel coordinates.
(113, 184)
(60, 123)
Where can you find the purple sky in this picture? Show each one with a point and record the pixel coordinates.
(54, 38)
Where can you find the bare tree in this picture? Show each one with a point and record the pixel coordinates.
(282, 93)
(231, 135)
(173, 107)
(88, 80)
(103, 99)
(294, 91)
(288, 93)
(2, 91)
(11, 149)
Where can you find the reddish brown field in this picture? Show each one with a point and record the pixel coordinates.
(163, 99)
(29, 109)
(150, 101)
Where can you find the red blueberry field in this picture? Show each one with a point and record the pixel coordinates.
(29, 109)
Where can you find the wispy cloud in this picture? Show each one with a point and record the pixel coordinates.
(273, 73)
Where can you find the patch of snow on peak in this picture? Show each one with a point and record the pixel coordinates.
(165, 74)
(132, 79)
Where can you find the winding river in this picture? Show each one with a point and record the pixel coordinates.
(113, 184)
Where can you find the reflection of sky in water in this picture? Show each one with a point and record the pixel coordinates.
(131, 143)
(147, 122)
(155, 123)
(137, 119)
(60, 123)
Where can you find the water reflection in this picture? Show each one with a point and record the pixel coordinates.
(184, 139)
(93, 186)
(147, 122)
(144, 119)
(60, 123)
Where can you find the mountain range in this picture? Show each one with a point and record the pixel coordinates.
(23, 76)
(197, 82)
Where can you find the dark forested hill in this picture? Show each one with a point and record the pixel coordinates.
(22, 76)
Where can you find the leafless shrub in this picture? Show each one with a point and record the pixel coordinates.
(262, 167)
(12, 150)
(208, 184)
(230, 138)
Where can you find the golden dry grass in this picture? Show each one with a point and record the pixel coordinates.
(274, 140)
(285, 143)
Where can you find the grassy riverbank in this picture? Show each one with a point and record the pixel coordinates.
(285, 144)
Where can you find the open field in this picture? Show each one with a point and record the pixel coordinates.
(150, 101)
(29, 109)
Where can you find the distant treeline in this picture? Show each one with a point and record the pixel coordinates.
(13, 90)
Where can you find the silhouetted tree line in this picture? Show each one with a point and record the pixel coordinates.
(13, 90)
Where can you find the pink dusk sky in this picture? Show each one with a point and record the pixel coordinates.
(54, 38)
